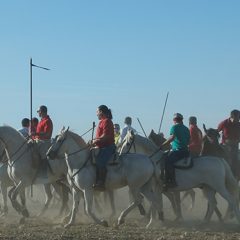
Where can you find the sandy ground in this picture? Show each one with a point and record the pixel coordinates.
(49, 226)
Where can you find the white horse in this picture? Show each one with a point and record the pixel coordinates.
(134, 170)
(212, 174)
(21, 170)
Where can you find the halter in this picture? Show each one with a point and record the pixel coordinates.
(132, 143)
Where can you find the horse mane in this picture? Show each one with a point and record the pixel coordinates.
(12, 130)
(146, 142)
(77, 139)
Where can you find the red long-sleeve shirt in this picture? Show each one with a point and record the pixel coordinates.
(46, 126)
(105, 128)
(195, 145)
(230, 130)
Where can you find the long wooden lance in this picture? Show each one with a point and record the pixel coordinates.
(142, 127)
(163, 113)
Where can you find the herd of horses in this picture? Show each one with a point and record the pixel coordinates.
(67, 162)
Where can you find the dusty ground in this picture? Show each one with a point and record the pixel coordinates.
(49, 227)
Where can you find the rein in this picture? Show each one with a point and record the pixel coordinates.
(132, 143)
(18, 149)
(84, 164)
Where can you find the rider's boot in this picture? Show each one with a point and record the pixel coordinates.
(100, 179)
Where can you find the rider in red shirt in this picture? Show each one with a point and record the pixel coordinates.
(45, 126)
(230, 129)
(105, 142)
(195, 145)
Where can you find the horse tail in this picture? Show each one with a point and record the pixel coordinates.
(230, 180)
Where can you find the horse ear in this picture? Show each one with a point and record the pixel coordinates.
(63, 128)
(204, 128)
(67, 129)
(132, 132)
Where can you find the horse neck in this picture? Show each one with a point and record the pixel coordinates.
(77, 154)
(144, 145)
(14, 144)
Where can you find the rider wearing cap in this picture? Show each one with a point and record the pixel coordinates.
(230, 129)
(179, 138)
(45, 126)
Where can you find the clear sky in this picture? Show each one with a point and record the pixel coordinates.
(125, 54)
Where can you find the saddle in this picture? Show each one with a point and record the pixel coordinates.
(39, 160)
(184, 163)
(114, 160)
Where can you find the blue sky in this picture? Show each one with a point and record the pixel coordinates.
(125, 54)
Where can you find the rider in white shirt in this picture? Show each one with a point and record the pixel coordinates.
(25, 127)
(128, 123)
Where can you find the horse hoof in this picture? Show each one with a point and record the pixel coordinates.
(25, 213)
(120, 221)
(104, 223)
(22, 221)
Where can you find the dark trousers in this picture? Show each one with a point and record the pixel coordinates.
(233, 157)
(173, 157)
(104, 155)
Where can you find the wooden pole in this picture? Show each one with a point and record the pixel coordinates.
(163, 113)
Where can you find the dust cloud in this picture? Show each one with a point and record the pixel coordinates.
(49, 226)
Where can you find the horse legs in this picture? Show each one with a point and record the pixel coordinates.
(62, 190)
(233, 205)
(88, 198)
(48, 194)
(192, 195)
(137, 198)
(76, 200)
(210, 194)
(112, 203)
(18, 190)
(3, 187)
(96, 200)
(140, 205)
(153, 198)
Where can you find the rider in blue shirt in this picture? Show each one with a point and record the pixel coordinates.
(179, 138)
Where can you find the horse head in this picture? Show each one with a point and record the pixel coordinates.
(211, 144)
(211, 134)
(56, 149)
(127, 142)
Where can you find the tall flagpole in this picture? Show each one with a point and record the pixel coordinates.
(33, 65)
(31, 94)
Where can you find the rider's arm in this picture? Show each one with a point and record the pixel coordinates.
(169, 140)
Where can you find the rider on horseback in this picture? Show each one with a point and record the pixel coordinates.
(230, 129)
(105, 142)
(179, 137)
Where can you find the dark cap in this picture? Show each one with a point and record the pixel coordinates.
(42, 109)
(235, 113)
(193, 120)
(177, 116)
